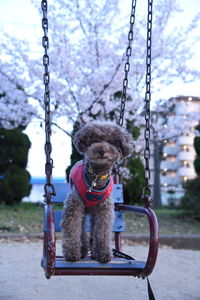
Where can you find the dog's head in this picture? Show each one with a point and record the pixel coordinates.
(103, 142)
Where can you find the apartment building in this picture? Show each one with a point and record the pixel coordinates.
(179, 154)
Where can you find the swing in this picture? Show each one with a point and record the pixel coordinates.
(121, 263)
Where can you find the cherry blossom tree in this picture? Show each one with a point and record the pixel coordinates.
(88, 40)
(15, 108)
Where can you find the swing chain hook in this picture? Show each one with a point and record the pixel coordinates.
(49, 187)
(127, 64)
(147, 153)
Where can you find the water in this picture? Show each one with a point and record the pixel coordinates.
(37, 191)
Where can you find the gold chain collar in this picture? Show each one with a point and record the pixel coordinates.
(97, 177)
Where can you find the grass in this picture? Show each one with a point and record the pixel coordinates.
(21, 218)
(27, 218)
(170, 221)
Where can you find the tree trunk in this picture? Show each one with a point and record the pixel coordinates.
(157, 156)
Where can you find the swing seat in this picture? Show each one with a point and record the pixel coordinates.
(56, 265)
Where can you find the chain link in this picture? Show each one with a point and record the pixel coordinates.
(147, 153)
(49, 187)
(127, 64)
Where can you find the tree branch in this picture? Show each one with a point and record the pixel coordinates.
(18, 86)
(106, 86)
(59, 127)
(72, 94)
(79, 19)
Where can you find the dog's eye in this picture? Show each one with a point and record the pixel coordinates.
(117, 144)
(96, 139)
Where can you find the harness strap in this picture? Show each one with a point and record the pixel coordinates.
(122, 255)
(128, 257)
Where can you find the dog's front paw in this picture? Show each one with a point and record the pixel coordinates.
(72, 256)
(71, 253)
(104, 258)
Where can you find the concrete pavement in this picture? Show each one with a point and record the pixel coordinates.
(176, 277)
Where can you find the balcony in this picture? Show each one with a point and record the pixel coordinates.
(168, 165)
(170, 150)
(186, 140)
(187, 156)
(186, 172)
(169, 181)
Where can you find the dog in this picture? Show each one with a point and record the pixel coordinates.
(102, 144)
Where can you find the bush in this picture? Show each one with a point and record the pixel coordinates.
(14, 185)
(133, 187)
(197, 165)
(75, 155)
(14, 147)
(197, 149)
(14, 179)
(197, 145)
(191, 199)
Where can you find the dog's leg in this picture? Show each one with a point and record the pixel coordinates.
(92, 235)
(84, 240)
(72, 219)
(103, 233)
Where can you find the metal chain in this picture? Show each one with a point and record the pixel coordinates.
(49, 187)
(127, 64)
(147, 154)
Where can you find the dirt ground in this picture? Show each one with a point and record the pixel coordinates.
(176, 276)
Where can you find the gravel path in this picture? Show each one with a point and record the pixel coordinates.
(176, 276)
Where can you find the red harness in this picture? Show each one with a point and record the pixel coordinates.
(90, 196)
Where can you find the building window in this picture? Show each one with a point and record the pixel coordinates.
(165, 184)
(185, 148)
(186, 164)
(171, 158)
(170, 143)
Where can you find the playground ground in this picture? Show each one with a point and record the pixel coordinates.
(176, 276)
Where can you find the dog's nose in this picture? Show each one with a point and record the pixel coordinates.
(102, 152)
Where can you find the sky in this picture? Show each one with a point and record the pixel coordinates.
(21, 19)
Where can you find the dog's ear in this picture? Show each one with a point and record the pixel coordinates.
(83, 138)
(79, 141)
(126, 143)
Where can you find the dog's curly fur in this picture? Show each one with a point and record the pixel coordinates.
(102, 144)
